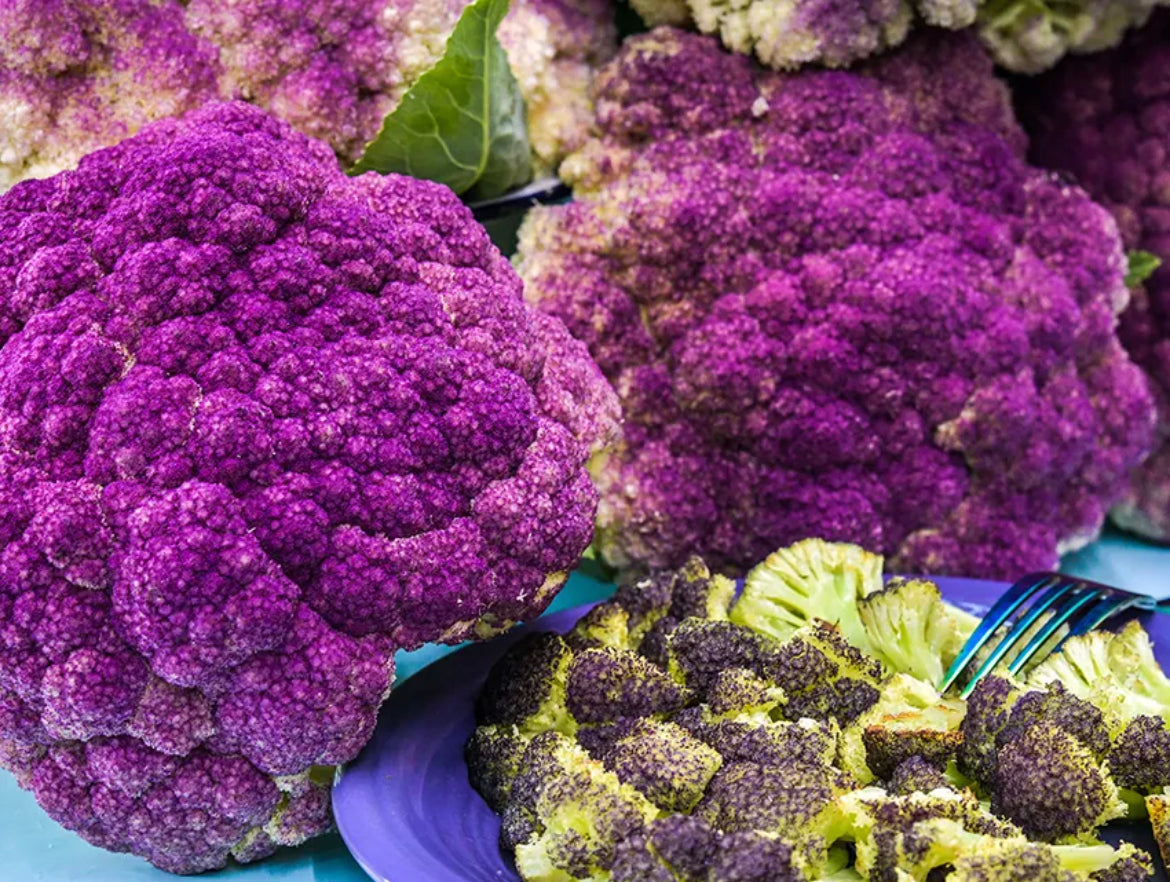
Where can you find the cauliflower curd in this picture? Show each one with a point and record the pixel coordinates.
(840, 304)
(261, 425)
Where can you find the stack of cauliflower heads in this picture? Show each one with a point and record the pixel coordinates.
(679, 733)
(263, 424)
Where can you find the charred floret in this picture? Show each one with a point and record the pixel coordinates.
(697, 593)
(579, 811)
(1119, 674)
(914, 775)
(1055, 704)
(1038, 753)
(1052, 786)
(888, 832)
(751, 796)
(599, 739)
(655, 645)
(757, 738)
(518, 819)
(910, 719)
(676, 848)
(978, 857)
(495, 757)
(699, 650)
(665, 764)
(646, 599)
(606, 684)
(756, 856)
(989, 710)
(655, 605)
(737, 690)
(824, 676)
(1140, 756)
(526, 687)
(796, 801)
(607, 624)
(999, 708)
(687, 849)
(1158, 808)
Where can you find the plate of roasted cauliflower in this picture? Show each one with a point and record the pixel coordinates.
(785, 726)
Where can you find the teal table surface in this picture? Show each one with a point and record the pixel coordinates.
(34, 849)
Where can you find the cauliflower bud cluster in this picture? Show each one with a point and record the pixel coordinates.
(1105, 119)
(77, 75)
(261, 425)
(840, 304)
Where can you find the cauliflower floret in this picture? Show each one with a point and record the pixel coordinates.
(1030, 37)
(335, 69)
(1024, 35)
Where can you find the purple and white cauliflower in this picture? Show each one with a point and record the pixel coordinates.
(261, 425)
(1105, 120)
(76, 76)
(840, 304)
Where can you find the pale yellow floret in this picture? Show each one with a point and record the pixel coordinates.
(771, 30)
(555, 86)
(953, 14)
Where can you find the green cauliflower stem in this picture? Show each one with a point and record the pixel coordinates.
(888, 836)
(978, 857)
(912, 631)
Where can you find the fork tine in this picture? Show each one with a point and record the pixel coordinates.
(1085, 595)
(1045, 602)
(1112, 604)
(1000, 612)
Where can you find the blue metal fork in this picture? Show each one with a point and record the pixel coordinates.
(1078, 603)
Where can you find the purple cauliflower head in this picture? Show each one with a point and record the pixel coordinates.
(261, 425)
(76, 76)
(1105, 120)
(839, 304)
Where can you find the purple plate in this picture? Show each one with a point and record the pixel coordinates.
(404, 806)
